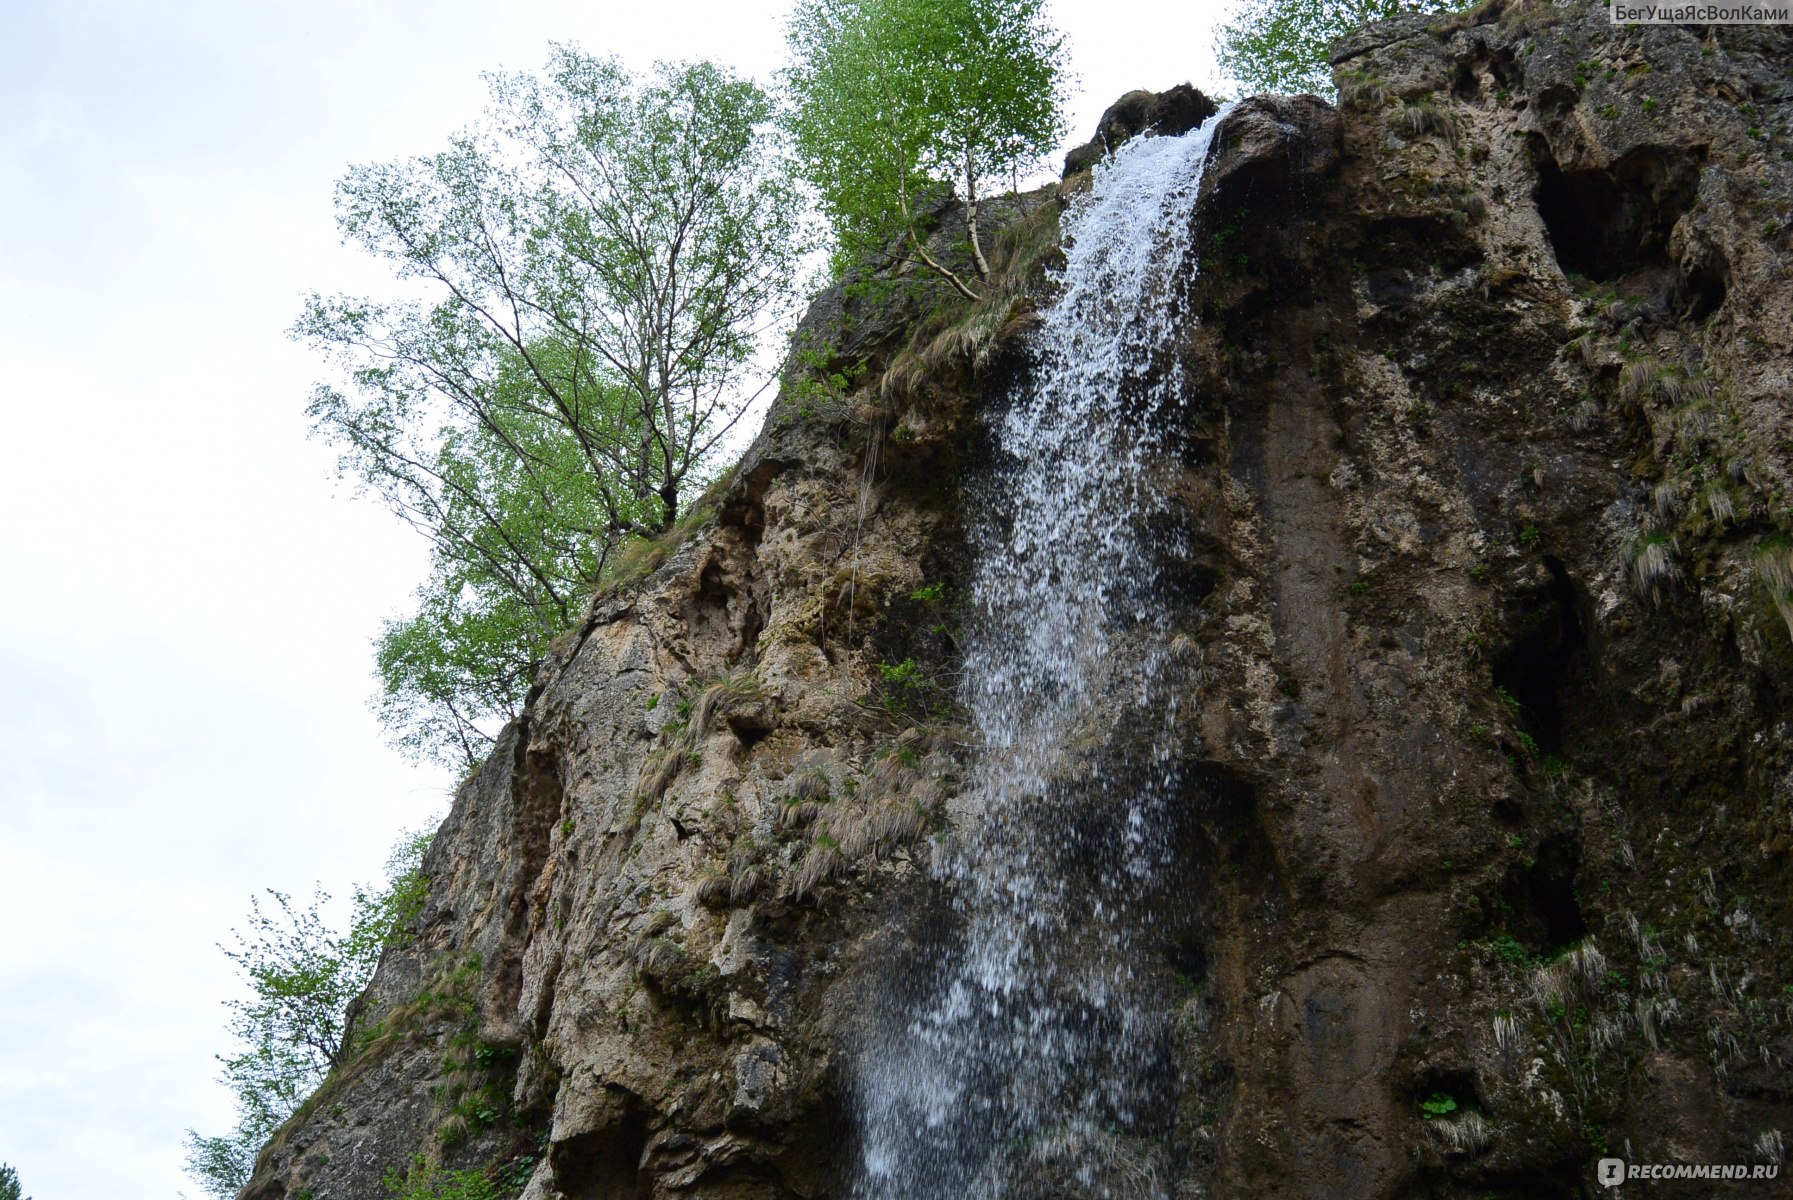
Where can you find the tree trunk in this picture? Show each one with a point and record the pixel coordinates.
(977, 250)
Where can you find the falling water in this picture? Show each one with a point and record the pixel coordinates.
(1024, 1049)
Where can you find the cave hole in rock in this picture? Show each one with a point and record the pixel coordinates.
(1466, 84)
(1702, 285)
(1546, 914)
(707, 611)
(1455, 1082)
(1189, 959)
(605, 1164)
(724, 610)
(1555, 102)
(1548, 645)
(749, 727)
(1606, 223)
(1505, 68)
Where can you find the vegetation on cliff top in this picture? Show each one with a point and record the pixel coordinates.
(888, 98)
(591, 273)
(1282, 45)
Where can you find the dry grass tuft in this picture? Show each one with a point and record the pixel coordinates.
(745, 884)
(658, 956)
(1684, 389)
(821, 865)
(712, 889)
(796, 814)
(1695, 424)
(812, 784)
(1466, 1133)
(1584, 416)
(664, 770)
(1638, 378)
(1649, 564)
(1420, 116)
(1774, 568)
(967, 335)
(1361, 89)
(1666, 496)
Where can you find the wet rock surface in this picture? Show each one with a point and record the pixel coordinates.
(1484, 653)
(1164, 114)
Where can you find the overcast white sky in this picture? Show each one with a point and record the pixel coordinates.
(187, 596)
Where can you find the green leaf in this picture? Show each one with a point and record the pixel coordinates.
(1438, 1104)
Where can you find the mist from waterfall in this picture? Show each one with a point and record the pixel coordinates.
(1024, 1052)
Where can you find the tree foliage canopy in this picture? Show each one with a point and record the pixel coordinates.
(891, 99)
(590, 271)
(1282, 46)
(302, 976)
(9, 1184)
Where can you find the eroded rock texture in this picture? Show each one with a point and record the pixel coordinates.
(1490, 645)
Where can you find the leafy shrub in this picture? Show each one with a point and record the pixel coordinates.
(1438, 1104)
(421, 1181)
(1508, 948)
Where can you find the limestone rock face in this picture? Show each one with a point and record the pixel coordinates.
(1486, 480)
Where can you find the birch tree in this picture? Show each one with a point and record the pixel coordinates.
(583, 281)
(895, 103)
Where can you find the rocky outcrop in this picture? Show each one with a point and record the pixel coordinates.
(1164, 114)
(1487, 617)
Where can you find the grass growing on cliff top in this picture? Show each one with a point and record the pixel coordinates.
(966, 333)
(638, 557)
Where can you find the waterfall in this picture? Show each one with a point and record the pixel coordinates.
(1023, 1048)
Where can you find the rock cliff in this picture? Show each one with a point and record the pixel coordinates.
(1484, 607)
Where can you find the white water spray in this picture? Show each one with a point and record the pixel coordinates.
(1025, 1051)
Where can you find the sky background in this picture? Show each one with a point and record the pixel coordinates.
(187, 594)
